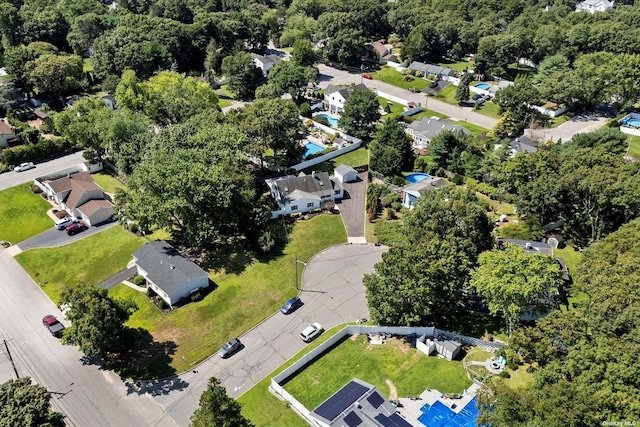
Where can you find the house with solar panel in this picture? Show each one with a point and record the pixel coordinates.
(358, 404)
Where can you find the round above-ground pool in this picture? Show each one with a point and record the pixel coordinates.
(417, 177)
(483, 85)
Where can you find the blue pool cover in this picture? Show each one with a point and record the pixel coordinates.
(438, 415)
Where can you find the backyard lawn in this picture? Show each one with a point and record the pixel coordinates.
(23, 214)
(392, 76)
(634, 147)
(355, 158)
(475, 129)
(409, 370)
(199, 329)
(458, 66)
(108, 183)
(90, 260)
(396, 109)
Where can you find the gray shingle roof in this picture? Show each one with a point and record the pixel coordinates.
(343, 170)
(530, 246)
(344, 91)
(165, 266)
(296, 187)
(430, 128)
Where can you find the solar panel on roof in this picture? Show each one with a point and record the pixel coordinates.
(375, 399)
(352, 419)
(340, 401)
(394, 420)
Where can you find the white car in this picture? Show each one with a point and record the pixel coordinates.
(311, 332)
(61, 224)
(24, 167)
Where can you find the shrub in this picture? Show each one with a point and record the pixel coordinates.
(150, 293)
(396, 205)
(457, 179)
(512, 366)
(62, 214)
(305, 109)
(391, 214)
(408, 79)
(419, 74)
(139, 280)
(41, 150)
(44, 195)
(162, 304)
(399, 181)
(371, 214)
(504, 374)
(322, 120)
(440, 172)
(196, 296)
(35, 189)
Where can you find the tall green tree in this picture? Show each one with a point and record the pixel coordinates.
(58, 74)
(515, 283)
(462, 91)
(391, 151)
(23, 403)
(242, 75)
(360, 113)
(303, 54)
(217, 409)
(288, 77)
(97, 320)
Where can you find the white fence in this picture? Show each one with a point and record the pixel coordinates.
(550, 113)
(328, 156)
(393, 98)
(630, 130)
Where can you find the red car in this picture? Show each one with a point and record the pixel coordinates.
(76, 228)
(367, 76)
(52, 324)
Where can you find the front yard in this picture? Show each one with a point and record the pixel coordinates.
(90, 260)
(394, 77)
(395, 364)
(241, 300)
(23, 214)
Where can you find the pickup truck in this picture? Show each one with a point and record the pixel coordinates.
(52, 324)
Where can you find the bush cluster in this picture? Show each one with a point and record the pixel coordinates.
(41, 150)
(139, 280)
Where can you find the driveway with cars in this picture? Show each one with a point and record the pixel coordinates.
(54, 237)
(333, 293)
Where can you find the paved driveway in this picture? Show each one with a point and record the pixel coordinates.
(352, 208)
(55, 237)
(332, 293)
(583, 123)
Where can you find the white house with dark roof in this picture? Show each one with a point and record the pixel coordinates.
(265, 63)
(357, 403)
(169, 274)
(593, 6)
(412, 192)
(335, 97)
(304, 193)
(423, 131)
(523, 144)
(80, 196)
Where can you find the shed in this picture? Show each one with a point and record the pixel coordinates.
(344, 173)
(448, 349)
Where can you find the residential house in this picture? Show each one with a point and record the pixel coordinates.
(593, 6)
(80, 196)
(357, 404)
(109, 101)
(377, 51)
(6, 134)
(448, 349)
(523, 144)
(265, 63)
(169, 274)
(423, 131)
(344, 173)
(335, 97)
(411, 193)
(304, 193)
(430, 69)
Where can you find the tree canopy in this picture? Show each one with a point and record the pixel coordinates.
(23, 403)
(217, 409)
(360, 113)
(391, 151)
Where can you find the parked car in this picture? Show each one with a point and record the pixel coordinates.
(476, 96)
(76, 228)
(292, 305)
(433, 85)
(367, 76)
(24, 167)
(311, 332)
(52, 324)
(229, 348)
(63, 223)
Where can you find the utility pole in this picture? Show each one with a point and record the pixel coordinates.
(296, 264)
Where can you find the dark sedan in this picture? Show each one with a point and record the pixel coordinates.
(292, 305)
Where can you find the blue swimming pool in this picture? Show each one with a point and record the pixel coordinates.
(312, 148)
(417, 177)
(634, 123)
(483, 86)
(438, 415)
(332, 120)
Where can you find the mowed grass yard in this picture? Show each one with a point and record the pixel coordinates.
(355, 158)
(409, 370)
(108, 183)
(394, 77)
(634, 147)
(90, 260)
(23, 214)
(240, 301)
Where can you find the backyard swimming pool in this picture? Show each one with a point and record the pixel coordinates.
(332, 120)
(438, 415)
(312, 148)
(634, 123)
(417, 177)
(484, 86)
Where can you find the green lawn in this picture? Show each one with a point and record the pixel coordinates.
(490, 109)
(396, 109)
(458, 66)
(475, 129)
(425, 113)
(634, 146)
(570, 255)
(223, 102)
(447, 95)
(90, 260)
(355, 158)
(87, 67)
(199, 329)
(409, 370)
(108, 183)
(392, 76)
(518, 70)
(477, 354)
(23, 214)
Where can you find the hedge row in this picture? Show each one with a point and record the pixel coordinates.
(42, 150)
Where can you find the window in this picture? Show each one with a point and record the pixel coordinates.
(310, 205)
(336, 192)
(294, 207)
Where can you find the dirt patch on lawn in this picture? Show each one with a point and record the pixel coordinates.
(393, 393)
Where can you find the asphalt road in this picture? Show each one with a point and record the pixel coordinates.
(333, 293)
(55, 237)
(87, 395)
(11, 179)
